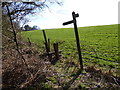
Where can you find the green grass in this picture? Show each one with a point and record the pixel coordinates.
(99, 44)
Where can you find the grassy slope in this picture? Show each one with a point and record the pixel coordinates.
(99, 44)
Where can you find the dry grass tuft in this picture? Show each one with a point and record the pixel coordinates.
(15, 73)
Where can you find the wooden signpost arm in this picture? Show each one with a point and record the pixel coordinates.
(69, 22)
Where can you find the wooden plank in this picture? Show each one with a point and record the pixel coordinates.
(69, 22)
(54, 52)
(51, 53)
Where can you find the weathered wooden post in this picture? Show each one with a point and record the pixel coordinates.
(55, 45)
(44, 36)
(47, 45)
(77, 36)
(46, 42)
(29, 42)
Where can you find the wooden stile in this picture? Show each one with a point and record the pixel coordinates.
(48, 52)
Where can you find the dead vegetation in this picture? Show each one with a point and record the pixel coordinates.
(43, 75)
(14, 71)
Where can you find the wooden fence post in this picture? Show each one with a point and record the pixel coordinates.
(46, 42)
(44, 36)
(29, 41)
(55, 45)
(47, 46)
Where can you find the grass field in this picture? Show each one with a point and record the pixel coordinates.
(99, 44)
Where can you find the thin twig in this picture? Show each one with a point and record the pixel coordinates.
(29, 80)
(115, 80)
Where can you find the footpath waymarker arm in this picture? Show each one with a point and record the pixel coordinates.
(69, 22)
(77, 36)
